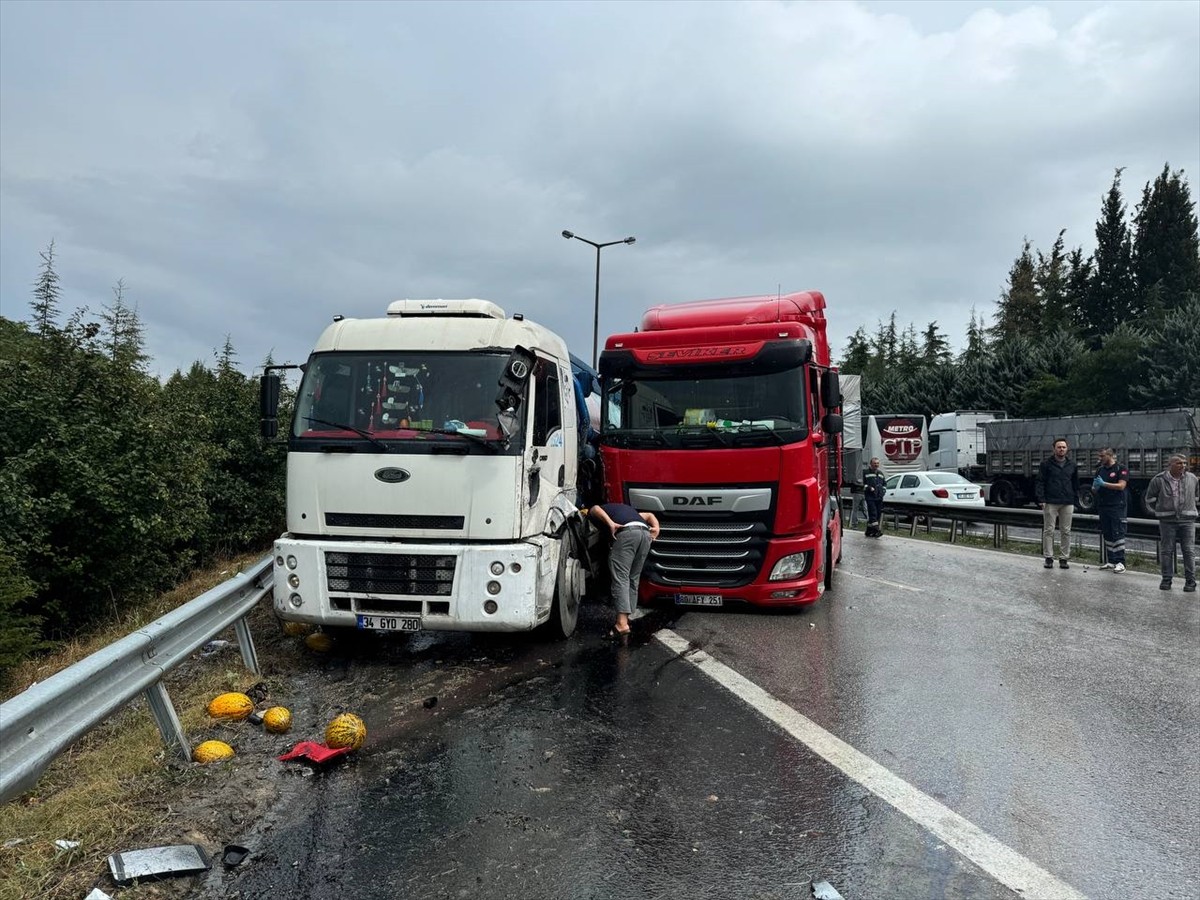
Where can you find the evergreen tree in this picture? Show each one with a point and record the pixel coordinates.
(46, 294)
(1077, 289)
(976, 339)
(1169, 362)
(1051, 281)
(125, 337)
(908, 354)
(935, 348)
(1166, 250)
(1019, 311)
(1113, 296)
(857, 356)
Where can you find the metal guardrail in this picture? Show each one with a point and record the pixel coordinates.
(44, 720)
(1000, 518)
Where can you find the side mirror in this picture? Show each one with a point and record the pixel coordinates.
(832, 423)
(268, 403)
(831, 391)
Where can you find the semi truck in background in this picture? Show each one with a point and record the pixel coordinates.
(853, 463)
(1143, 441)
(898, 440)
(958, 441)
(432, 470)
(722, 418)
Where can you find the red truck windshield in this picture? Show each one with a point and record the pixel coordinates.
(676, 409)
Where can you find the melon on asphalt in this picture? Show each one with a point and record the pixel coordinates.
(346, 730)
(212, 751)
(231, 706)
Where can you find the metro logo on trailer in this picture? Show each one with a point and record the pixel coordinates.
(901, 439)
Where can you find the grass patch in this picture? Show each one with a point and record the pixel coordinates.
(110, 786)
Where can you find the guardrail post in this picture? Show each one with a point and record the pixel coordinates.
(246, 643)
(168, 722)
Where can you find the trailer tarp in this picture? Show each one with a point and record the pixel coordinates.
(1165, 429)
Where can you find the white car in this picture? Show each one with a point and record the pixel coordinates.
(935, 488)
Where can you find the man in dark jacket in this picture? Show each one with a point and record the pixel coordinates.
(1056, 488)
(873, 492)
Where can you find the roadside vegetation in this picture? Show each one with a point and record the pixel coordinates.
(1073, 333)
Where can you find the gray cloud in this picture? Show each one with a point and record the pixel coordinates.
(252, 169)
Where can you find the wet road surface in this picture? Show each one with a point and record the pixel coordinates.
(1055, 710)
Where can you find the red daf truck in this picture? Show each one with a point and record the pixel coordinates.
(723, 418)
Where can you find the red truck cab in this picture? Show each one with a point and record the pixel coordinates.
(722, 417)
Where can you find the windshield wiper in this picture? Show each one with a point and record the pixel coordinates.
(490, 443)
(344, 427)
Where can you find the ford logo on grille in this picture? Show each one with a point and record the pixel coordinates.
(392, 475)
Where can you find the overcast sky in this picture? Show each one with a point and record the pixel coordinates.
(252, 169)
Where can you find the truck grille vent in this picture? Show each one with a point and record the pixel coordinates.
(409, 574)
(726, 553)
(383, 520)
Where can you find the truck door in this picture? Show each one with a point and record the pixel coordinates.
(546, 473)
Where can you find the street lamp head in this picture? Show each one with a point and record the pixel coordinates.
(630, 239)
(568, 234)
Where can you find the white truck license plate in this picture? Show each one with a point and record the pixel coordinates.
(389, 623)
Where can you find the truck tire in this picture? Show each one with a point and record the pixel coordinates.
(1005, 493)
(828, 562)
(568, 590)
(1086, 501)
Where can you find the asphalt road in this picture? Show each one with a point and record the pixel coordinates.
(1001, 720)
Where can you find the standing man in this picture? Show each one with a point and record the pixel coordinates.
(1174, 495)
(873, 492)
(632, 532)
(1109, 485)
(1056, 488)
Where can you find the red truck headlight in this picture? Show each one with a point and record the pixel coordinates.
(791, 567)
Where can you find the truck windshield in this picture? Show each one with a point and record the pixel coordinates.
(413, 402)
(718, 411)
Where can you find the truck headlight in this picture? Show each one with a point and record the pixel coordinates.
(791, 567)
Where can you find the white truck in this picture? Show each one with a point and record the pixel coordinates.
(898, 441)
(958, 441)
(431, 475)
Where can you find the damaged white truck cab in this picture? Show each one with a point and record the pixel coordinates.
(431, 475)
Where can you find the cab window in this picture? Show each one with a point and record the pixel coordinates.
(547, 405)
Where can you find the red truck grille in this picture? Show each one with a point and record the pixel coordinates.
(726, 553)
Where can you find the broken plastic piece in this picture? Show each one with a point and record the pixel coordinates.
(823, 890)
(66, 845)
(97, 894)
(213, 647)
(234, 855)
(157, 862)
(311, 751)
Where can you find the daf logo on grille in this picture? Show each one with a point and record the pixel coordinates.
(696, 501)
(392, 475)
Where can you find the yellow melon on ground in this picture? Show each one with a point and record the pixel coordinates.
(277, 719)
(297, 629)
(212, 751)
(231, 706)
(346, 730)
(319, 642)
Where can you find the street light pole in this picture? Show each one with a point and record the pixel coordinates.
(596, 312)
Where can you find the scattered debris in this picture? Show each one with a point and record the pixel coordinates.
(812, 624)
(213, 647)
(823, 890)
(429, 702)
(12, 842)
(313, 752)
(234, 855)
(712, 798)
(157, 862)
(66, 845)
(97, 894)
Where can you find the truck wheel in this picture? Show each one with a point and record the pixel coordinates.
(828, 563)
(1086, 501)
(568, 591)
(1004, 493)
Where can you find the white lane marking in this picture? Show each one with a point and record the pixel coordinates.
(1001, 862)
(902, 587)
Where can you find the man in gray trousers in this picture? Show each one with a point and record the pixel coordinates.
(1057, 486)
(632, 532)
(1173, 497)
